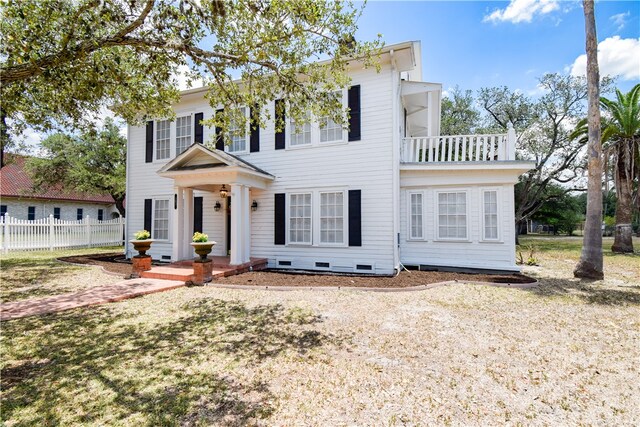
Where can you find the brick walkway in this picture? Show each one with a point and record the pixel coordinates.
(92, 296)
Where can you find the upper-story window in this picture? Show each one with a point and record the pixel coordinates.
(163, 139)
(238, 134)
(183, 133)
(300, 134)
(321, 131)
(330, 131)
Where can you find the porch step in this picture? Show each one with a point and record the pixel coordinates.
(183, 270)
(173, 272)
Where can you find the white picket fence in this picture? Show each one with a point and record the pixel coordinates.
(50, 233)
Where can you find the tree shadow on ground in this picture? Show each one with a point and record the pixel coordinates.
(22, 278)
(592, 292)
(96, 367)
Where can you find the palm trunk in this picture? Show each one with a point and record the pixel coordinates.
(590, 265)
(623, 240)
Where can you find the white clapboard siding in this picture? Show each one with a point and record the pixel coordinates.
(364, 165)
(50, 233)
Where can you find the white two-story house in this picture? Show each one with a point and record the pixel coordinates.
(386, 191)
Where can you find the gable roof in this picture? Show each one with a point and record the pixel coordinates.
(16, 182)
(197, 156)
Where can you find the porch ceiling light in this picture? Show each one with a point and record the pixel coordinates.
(217, 206)
(254, 206)
(223, 191)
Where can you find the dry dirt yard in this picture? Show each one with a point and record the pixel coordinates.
(564, 354)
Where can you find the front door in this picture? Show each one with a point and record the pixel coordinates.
(228, 225)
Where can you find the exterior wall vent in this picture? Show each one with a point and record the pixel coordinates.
(284, 262)
(364, 267)
(322, 265)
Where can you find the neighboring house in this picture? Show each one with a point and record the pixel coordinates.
(18, 199)
(388, 191)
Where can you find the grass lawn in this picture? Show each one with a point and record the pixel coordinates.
(563, 354)
(37, 273)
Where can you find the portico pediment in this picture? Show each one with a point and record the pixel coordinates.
(201, 167)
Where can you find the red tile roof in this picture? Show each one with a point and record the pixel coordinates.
(15, 182)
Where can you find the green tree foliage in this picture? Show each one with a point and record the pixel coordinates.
(61, 61)
(544, 134)
(94, 161)
(563, 211)
(459, 114)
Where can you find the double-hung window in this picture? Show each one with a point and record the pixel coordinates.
(56, 213)
(163, 139)
(31, 213)
(317, 131)
(238, 134)
(416, 216)
(490, 219)
(330, 131)
(183, 133)
(300, 134)
(452, 215)
(161, 219)
(332, 217)
(300, 218)
(79, 214)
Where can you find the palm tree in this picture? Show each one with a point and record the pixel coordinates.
(622, 138)
(590, 265)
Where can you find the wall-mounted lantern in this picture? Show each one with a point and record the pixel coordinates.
(254, 206)
(217, 206)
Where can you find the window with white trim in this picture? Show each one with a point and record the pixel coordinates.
(452, 215)
(416, 216)
(163, 139)
(238, 134)
(332, 217)
(183, 133)
(490, 214)
(160, 219)
(316, 131)
(330, 131)
(300, 218)
(300, 133)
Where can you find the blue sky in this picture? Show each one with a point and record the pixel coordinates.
(490, 43)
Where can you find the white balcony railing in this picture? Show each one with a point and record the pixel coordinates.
(460, 148)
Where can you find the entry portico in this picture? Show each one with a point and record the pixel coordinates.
(200, 168)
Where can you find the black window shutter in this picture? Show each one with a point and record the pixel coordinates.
(219, 135)
(148, 206)
(149, 145)
(280, 224)
(280, 122)
(198, 133)
(354, 113)
(254, 139)
(197, 214)
(355, 218)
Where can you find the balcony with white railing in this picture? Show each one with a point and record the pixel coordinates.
(459, 148)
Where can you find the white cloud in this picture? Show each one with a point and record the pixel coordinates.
(522, 11)
(620, 19)
(616, 57)
(181, 78)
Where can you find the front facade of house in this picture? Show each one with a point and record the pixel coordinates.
(19, 200)
(384, 192)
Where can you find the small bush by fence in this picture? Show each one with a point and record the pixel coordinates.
(50, 233)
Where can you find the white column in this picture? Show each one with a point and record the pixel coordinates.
(246, 224)
(178, 229)
(511, 142)
(188, 224)
(237, 241)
